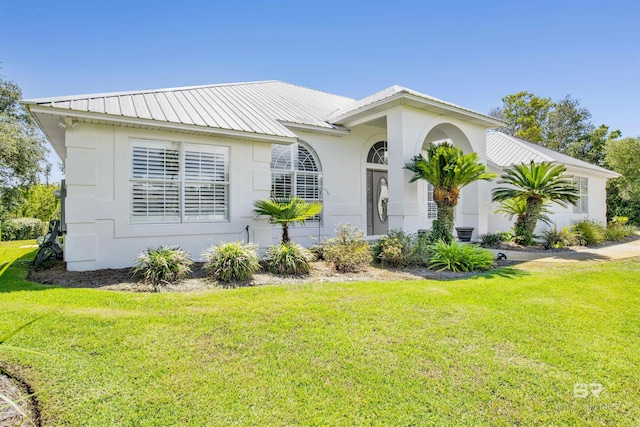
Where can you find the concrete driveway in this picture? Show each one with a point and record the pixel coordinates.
(616, 251)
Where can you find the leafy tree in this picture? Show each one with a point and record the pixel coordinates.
(537, 184)
(448, 169)
(567, 125)
(22, 146)
(526, 115)
(623, 194)
(592, 147)
(38, 201)
(285, 211)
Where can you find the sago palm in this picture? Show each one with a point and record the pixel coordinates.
(517, 208)
(448, 169)
(537, 184)
(285, 211)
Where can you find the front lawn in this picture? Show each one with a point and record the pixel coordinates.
(504, 348)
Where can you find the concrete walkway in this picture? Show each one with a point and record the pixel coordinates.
(617, 251)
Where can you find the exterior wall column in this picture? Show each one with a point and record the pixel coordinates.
(403, 209)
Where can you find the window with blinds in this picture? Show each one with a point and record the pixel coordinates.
(582, 207)
(432, 208)
(172, 182)
(295, 171)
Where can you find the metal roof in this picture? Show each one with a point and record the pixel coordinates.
(396, 91)
(254, 107)
(506, 150)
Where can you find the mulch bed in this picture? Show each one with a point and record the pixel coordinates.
(321, 272)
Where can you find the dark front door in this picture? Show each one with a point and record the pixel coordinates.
(377, 201)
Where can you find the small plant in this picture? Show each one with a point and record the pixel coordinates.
(494, 239)
(349, 251)
(288, 258)
(286, 211)
(440, 232)
(590, 232)
(421, 249)
(394, 249)
(617, 229)
(231, 262)
(459, 257)
(163, 265)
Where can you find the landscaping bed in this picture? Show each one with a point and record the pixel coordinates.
(321, 272)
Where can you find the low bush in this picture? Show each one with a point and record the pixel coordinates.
(494, 239)
(421, 249)
(459, 257)
(555, 238)
(618, 229)
(349, 251)
(288, 258)
(440, 232)
(231, 262)
(589, 232)
(163, 265)
(395, 249)
(22, 229)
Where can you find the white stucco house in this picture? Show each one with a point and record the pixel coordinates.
(184, 165)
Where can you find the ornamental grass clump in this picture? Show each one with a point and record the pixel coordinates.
(288, 258)
(349, 251)
(231, 262)
(459, 257)
(589, 232)
(164, 265)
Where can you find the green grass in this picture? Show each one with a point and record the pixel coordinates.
(505, 348)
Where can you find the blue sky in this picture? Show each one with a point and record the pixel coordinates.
(469, 53)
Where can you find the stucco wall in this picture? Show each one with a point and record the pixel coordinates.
(561, 216)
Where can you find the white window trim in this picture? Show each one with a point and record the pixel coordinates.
(181, 181)
(294, 177)
(582, 182)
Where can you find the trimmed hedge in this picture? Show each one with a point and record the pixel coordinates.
(22, 229)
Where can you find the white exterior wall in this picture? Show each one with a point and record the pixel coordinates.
(561, 216)
(98, 166)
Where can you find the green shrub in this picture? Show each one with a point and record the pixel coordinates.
(349, 251)
(555, 238)
(589, 232)
(163, 265)
(421, 249)
(394, 249)
(440, 232)
(617, 229)
(231, 262)
(459, 257)
(494, 239)
(288, 258)
(22, 229)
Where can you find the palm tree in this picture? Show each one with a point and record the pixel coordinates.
(537, 184)
(286, 210)
(448, 169)
(517, 208)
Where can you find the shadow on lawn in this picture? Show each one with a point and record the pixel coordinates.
(509, 272)
(13, 275)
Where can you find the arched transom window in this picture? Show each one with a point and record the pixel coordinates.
(378, 153)
(296, 171)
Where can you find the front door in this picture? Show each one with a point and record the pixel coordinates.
(377, 201)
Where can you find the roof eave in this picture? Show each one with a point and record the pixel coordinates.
(403, 97)
(282, 139)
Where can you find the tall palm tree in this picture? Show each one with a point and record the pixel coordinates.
(285, 211)
(537, 184)
(448, 169)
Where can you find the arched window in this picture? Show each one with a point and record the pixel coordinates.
(296, 171)
(378, 153)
